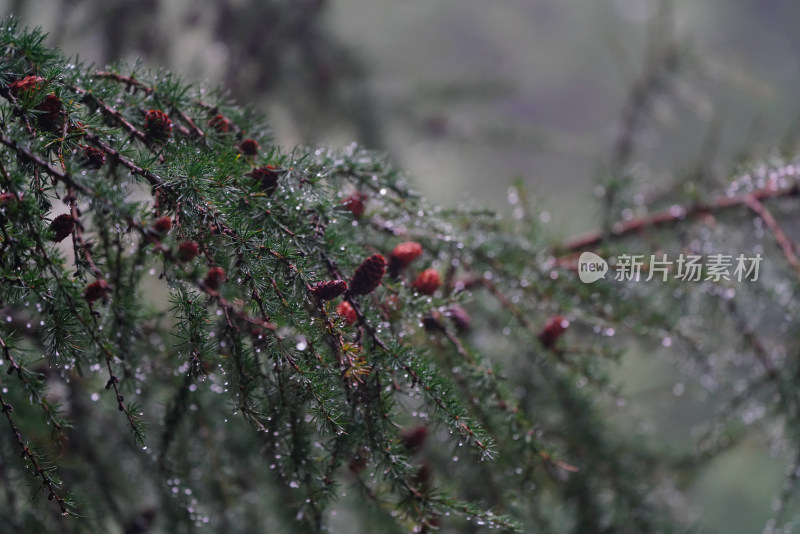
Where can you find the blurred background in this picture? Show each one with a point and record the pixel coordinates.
(470, 96)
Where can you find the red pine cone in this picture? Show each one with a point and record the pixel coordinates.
(163, 225)
(187, 250)
(554, 327)
(249, 147)
(403, 254)
(28, 83)
(427, 282)
(51, 116)
(355, 203)
(220, 123)
(157, 125)
(346, 311)
(62, 227)
(95, 291)
(214, 278)
(93, 157)
(266, 177)
(368, 275)
(329, 290)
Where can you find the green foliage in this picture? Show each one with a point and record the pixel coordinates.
(148, 389)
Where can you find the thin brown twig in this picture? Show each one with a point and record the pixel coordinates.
(116, 115)
(130, 81)
(749, 335)
(661, 61)
(135, 84)
(228, 307)
(193, 128)
(27, 155)
(787, 245)
(675, 214)
(40, 472)
(34, 393)
(86, 249)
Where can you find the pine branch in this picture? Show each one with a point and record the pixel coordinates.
(44, 473)
(34, 387)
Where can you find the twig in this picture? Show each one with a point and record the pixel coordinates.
(40, 472)
(661, 61)
(27, 155)
(116, 115)
(786, 244)
(128, 80)
(675, 214)
(86, 249)
(135, 84)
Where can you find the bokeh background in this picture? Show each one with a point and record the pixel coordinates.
(470, 96)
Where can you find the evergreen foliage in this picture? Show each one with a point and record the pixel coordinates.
(180, 357)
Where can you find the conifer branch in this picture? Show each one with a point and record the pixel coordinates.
(132, 83)
(27, 155)
(116, 116)
(44, 473)
(34, 387)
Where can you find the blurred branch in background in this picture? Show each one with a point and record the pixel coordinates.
(283, 49)
(266, 51)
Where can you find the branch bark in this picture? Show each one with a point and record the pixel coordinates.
(678, 213)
